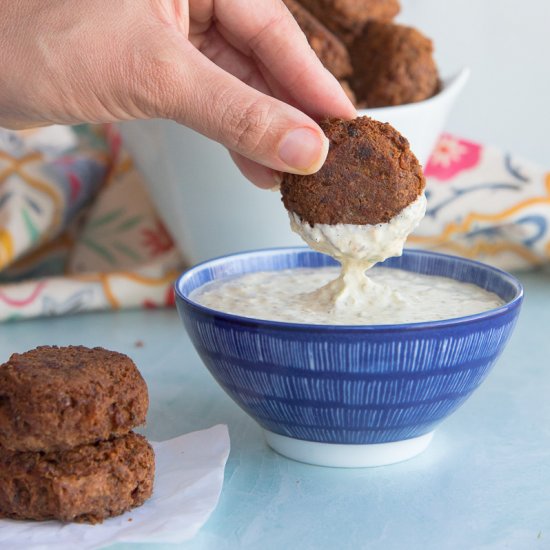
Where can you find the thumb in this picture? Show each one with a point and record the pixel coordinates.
(201, 95)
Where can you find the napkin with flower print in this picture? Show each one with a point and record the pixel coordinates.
(77, 229)
(485, 204)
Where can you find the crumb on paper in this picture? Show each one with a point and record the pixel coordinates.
(139, 344)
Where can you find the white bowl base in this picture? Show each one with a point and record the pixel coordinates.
(347, 456)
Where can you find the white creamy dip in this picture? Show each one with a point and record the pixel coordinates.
(364, 244)
(292, 296)
(348, 296)
(358, 248)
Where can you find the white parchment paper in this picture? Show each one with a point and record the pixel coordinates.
(188, 483)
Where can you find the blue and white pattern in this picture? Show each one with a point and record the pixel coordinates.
(358, 384)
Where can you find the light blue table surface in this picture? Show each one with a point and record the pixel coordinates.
(484, 483)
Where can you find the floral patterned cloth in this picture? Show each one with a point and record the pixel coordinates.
(77, 229)
(486, 205)
(79, 233)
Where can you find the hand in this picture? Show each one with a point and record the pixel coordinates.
(238, 71)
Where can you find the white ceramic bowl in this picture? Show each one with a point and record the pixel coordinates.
(211, 209)
(421, 123)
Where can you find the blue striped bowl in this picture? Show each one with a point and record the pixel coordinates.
(322, 392)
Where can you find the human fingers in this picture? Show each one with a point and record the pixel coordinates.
(269, 33)
(214, 46)
(203, 96)
(261, 176)
(224, 55)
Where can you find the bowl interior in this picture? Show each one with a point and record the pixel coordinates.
(507, 287)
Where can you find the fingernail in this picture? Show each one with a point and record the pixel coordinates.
(303, 150)
(278, 179)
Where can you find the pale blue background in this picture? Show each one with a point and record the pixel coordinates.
(483, 484)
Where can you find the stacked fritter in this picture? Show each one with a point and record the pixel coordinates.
(67, 451)
(378, 62)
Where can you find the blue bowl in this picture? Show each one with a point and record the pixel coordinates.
(348, 395)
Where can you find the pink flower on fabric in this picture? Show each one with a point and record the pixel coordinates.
(75, 186)
(451, 156)
(157, 239)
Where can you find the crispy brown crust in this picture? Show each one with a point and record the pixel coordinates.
(346, 18)
(392, 65)
(85, 484)
(55, 398)
(370, 175)
(329, 49)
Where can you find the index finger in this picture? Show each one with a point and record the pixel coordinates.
(265, 29)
